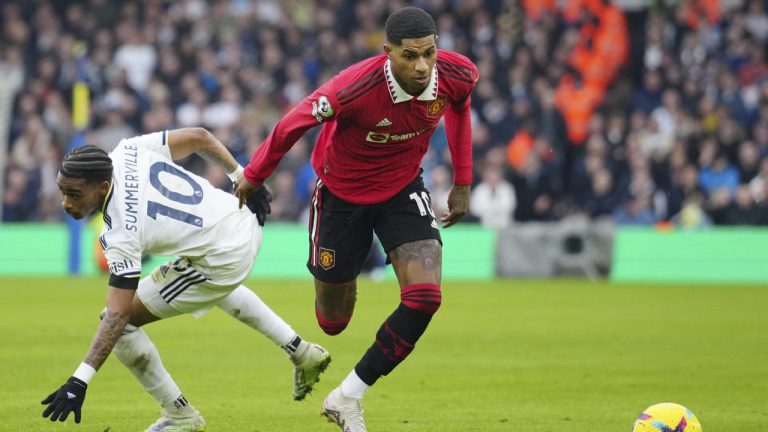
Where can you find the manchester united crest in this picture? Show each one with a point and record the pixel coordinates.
(327, 258)
(436, 106)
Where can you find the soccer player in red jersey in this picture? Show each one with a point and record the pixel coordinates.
(378, 116)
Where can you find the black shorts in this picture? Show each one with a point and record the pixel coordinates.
(341, 233)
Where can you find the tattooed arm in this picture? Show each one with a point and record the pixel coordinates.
(185, 141)
(112, 323)
(69, 398)
(458, 205)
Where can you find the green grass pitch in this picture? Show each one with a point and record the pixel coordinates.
(544, 356)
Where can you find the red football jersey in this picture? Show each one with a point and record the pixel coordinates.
(374, 133)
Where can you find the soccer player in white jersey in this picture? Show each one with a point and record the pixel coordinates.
(152, 206)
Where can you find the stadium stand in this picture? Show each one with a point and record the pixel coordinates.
(639, 116)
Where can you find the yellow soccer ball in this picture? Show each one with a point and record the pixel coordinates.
(666, 417)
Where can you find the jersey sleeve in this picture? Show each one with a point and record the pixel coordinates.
(156, 142)
(318, 108)
(458, 128)
(123, 255)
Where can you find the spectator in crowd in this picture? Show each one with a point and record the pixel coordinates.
(493, 199)
(748, 161)
(636, 210)
(534, 190)
(685, 183)
(32, 146)
(19, 201)
(692, 214)
(647, 96)
(719, 174)
(601, 199)
(743, 210)
(759, 184)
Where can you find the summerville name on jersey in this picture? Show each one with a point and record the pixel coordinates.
(131, 185)
(157, 207)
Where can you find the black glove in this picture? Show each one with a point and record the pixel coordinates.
(68, 398)
(258, 203)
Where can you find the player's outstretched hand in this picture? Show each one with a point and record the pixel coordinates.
(458, 205)
(243, 188)
(258, 203)
(68, 398)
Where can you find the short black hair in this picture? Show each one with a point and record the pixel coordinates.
(409, 23)
(87, 162)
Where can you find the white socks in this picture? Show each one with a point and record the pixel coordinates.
(136, 352)
(353, 386)
(245, 306)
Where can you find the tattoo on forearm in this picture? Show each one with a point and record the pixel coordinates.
(228, 163)
(426, 252)
(461, 200)
(109, 332)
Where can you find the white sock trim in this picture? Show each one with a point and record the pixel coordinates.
(295, 346)
(353, 386)
(84, 372)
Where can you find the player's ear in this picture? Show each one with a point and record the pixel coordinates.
(387, 48)
(104, 187)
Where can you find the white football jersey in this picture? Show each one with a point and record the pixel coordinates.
(157, 207)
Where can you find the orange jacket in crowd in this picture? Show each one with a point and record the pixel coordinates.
(535, 9)
(694, 11)
(598, 56)
(577, 102)
(518, 149)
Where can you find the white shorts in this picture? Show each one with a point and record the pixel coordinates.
(178, 287)
(195, 285)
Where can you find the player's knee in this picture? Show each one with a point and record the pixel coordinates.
(331, 327)
(422, 297)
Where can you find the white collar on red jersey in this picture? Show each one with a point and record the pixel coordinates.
(400, 95)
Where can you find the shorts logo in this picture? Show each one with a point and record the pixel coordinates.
(436, 106)
(160, 272)
(321, 109)
(327, 258)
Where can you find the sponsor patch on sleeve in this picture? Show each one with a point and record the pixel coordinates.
(321, 109)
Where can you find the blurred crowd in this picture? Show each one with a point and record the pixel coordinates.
(582, 108)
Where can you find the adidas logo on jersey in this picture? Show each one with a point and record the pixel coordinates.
(384, 122)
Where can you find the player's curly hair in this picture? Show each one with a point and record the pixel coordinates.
(87, 162)
(409, 23)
